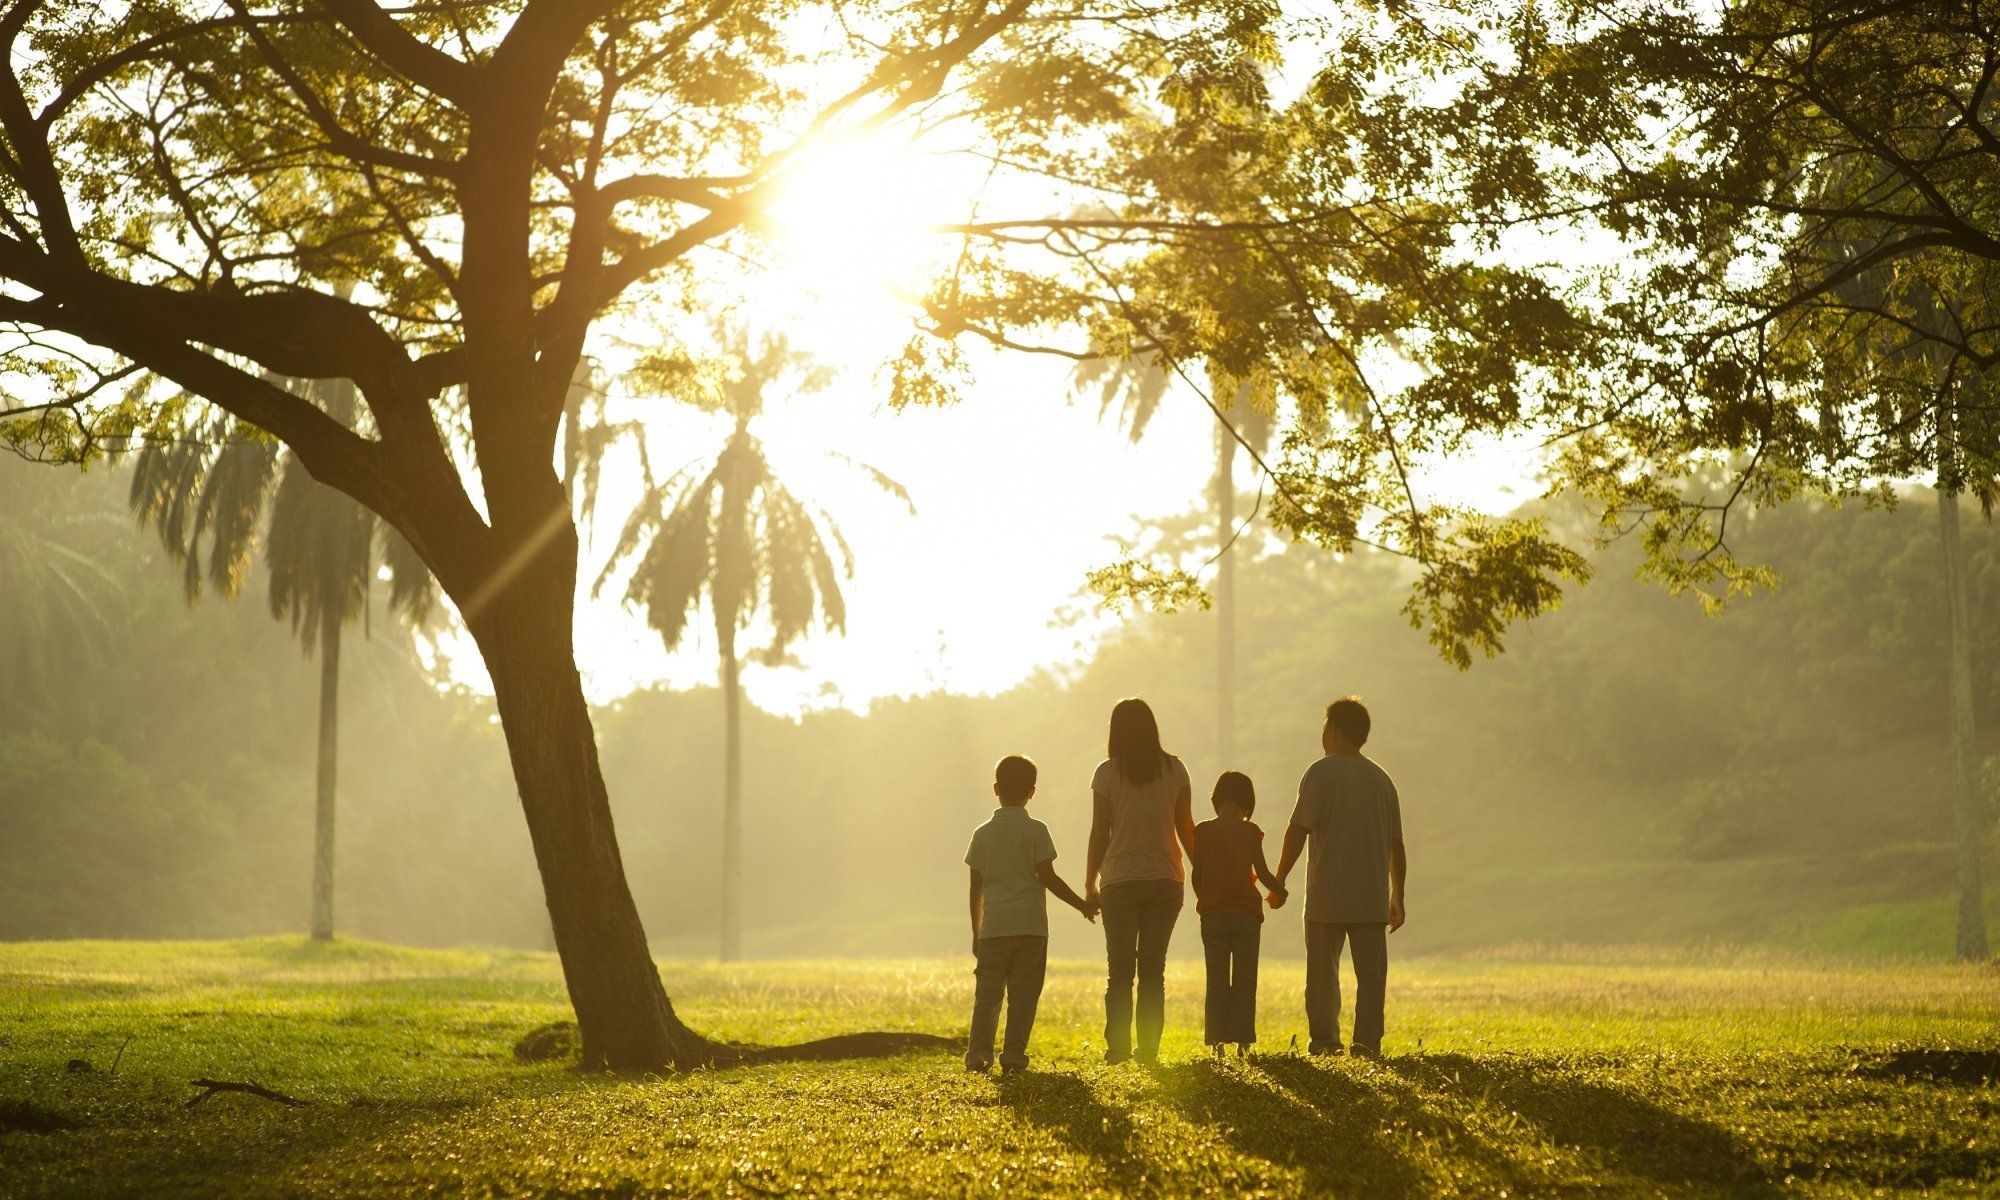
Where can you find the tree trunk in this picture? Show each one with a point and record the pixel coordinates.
(622, 1012)
(1964, 751)
(732, 801)
(1225, 598)
(329, 749)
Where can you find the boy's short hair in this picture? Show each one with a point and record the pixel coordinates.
(1014, 777)
(1350, 717)
(1234, 787)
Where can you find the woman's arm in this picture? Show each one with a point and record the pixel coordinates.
(1100, 840)
(1184, 817)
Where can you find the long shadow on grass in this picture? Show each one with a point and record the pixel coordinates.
(1325, 1125)
(1626, 1131)
(1067, 1107)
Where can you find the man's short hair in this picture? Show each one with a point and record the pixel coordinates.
(1014, 777)
(1350, 717)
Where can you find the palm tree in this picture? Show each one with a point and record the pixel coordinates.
(732, 531)
(54, 577)
(320, 549)
(1134, 388)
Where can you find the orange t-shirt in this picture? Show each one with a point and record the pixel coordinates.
(1225, 879)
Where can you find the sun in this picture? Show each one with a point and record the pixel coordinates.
(859, 214)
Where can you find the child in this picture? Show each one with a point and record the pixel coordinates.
(1228, 861)
(1013, 861)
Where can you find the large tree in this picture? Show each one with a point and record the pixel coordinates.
(1778, 218)
(187, 188)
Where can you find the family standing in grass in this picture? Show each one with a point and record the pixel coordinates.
(1347, 819)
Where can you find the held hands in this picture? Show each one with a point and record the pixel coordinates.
(1276, 897)
(1090, 907)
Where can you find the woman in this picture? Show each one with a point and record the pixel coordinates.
(1141, 817)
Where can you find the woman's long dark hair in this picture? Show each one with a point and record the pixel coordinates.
(1135, 742)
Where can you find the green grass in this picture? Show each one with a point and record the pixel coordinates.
(1561, 1075)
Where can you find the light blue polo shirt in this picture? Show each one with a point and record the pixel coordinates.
(1005, 851)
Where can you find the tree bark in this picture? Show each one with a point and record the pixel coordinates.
(329, 753)
(1967, 805)
(732, 801)
(622, 1010)
(1225, 597)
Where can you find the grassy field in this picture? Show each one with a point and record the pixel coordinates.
(1597, 1075)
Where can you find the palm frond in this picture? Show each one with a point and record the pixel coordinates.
(676, 565)
(880, 478)
(412, 588)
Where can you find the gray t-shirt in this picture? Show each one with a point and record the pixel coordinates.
(1143, 842)
(1349, 805)
(1005, 851)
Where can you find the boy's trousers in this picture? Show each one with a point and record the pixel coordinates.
(1012, 967)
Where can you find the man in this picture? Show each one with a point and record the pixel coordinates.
(1349, 812)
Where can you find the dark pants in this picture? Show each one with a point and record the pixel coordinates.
(1138, 917)
(1012, 967)
(1371, 981)
(1229, 940)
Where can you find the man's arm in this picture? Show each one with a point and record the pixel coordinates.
(1295, 845)
(978, 907)
(1100, 841)
(1399, 865)
(1046, 872)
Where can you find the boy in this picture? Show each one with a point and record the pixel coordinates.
(1013, 862)
(1228, 863)
(1349, 809)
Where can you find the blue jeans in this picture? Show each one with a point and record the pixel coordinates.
(1139, 917)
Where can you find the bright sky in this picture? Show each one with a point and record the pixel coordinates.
(1020, 489)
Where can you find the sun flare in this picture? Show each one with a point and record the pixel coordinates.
(860, 214)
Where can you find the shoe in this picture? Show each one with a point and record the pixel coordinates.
(1148, 1060)
(1012, 1069)
(1215, 1050)
(1360, 1051)
(1324, 1049)
(978, 1066)
(1113, 1057)
(1242, 1049)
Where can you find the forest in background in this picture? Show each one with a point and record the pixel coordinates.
(1630, 771)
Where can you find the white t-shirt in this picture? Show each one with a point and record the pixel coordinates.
(1005, 851)
(1143, 843)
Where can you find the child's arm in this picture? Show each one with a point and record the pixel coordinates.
(1046, 872)
(1263, 869)
(978, 908)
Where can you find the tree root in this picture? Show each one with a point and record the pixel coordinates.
(230, 1085)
